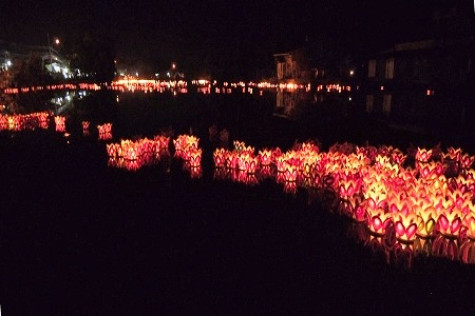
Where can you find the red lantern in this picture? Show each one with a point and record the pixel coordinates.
(85, 127)
(450, 225)
(60, 122)
(406, 227)
(378, 222)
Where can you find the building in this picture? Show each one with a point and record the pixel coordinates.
(293, 66)
(416, 82)
(12, 54)
(427, 80)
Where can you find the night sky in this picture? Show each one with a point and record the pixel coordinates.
(238, 35)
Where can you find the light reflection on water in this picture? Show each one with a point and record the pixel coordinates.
(287, 104)
(394, 251)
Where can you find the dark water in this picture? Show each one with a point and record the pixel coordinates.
(79, 237)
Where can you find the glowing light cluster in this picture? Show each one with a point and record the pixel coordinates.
(432, 195)
(132, 155)
(184, 145)
(145, 85)
(56, 87)
(60, 122)
(22, 122)
(105, 131)
(334, 87)
(186, 148)
(133, 84)
(85, 127)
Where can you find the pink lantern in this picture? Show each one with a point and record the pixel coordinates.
(406, 227)
(378, 222)
(60, 122)
(449, 224)
(85, 127)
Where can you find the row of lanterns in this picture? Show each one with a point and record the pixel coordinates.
(21, 122)
(429, 196)
(422, 195)
(32, 121)
(131, 84)
(132, 155)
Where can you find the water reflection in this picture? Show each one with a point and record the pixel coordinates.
(287, 102)
(401, 253)
(398, 244)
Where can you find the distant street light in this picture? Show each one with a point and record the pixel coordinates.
(56, 41)
(352, 72)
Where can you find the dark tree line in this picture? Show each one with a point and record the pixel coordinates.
(94, 55)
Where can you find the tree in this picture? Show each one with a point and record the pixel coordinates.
(31, 72)
(95, 55)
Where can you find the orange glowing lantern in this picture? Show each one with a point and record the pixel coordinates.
(105, 131)
(467, 252)
(406, 227)
(445, 247)
(60, 122)
(423, 155)
(219, 157)
(378, 222)
(450, 225)
(290, 173)
(426, 222)
(466, 161)
(453, 153)
(195, 157)
(112, 150)
(265, 157)
(85, 127)
(469, 224)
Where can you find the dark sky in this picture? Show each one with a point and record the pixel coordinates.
(199, 32)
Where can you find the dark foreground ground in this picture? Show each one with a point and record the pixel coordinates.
(77, 237)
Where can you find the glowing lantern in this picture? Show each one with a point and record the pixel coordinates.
(443, 247)
(265, 157)
(265, 171)
(105, 131)
(406, 227)
(112, 150)
(450, 224)
(466, 161)
(195, 158)
(184, 144)
(60, 122)
(85, 127)
(378, 222)
(426, 222)
(467, 252)
(453, 154)
(132, 164)
(423, 155)
(247, 163)
(469, 223)
(290, 173)
(43, 120)
(219, 157)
